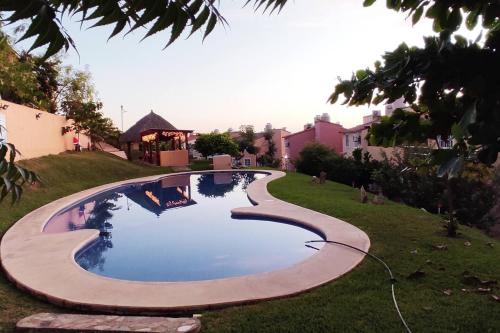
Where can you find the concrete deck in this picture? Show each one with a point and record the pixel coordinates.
(55, 323)
(44, 265)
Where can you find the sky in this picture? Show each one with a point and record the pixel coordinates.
(277, 69)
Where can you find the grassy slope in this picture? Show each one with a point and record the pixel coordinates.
(358, 302)
(62, 175)
(361, 301)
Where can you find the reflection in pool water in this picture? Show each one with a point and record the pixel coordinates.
(180, 229)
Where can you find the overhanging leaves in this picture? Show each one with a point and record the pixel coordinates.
(12, 175)
(152, 15)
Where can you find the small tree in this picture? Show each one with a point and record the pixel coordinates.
(77, 101)
(268, 158)
(216, 143)
(247, 139)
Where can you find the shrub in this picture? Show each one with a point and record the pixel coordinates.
(405, 179)
(315, 158)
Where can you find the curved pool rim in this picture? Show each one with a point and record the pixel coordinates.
(44, 264)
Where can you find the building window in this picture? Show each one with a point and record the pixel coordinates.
(347, 140)
(287, 144)
(247, 162)
(445, 143)
(357, 140)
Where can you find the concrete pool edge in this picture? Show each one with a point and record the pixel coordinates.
(44, 265)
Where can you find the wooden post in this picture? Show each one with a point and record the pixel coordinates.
(158, 150)
(150, 152)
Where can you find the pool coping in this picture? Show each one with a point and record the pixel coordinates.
(43, 264)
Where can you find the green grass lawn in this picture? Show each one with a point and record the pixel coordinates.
(197, 165)
(361, 300)
(358, 302)
(62, 175)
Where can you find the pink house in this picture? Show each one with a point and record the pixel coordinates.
(323, 131)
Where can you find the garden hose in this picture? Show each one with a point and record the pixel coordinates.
(393, 280)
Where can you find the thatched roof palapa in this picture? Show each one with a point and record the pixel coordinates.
(151, 120)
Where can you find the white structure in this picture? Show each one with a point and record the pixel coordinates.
(397, 104)
(193, 152)
(3, 128)
(322, 117)
(372, 118)
(354, 138)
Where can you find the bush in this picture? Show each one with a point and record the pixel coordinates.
(405, 180)
(315, 158)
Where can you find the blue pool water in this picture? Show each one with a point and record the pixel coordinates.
(180, 229)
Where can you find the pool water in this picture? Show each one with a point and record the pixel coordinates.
(180, 229)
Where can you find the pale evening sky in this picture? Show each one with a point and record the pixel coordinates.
(278, 69)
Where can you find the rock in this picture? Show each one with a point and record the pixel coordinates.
(378, 199)
(473, 280)
(418, 274)
(363, 195)
(448, 292)
(322, 177)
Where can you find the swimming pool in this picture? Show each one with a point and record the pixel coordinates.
(180, 228)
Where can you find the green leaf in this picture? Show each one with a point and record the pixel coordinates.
(178, 27)
(56, 45)
(118, 28)
(454, 19)
(3, 151)
(471, 20)
(457, 131)
(211, 25)
(166, 20)
(468, 118)
(200, 20)
(460, 40)
(417, 15)
(368, 3)
(8, 183)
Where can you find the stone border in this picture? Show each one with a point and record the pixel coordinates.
(43, 264)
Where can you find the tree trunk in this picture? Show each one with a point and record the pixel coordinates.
(452, 223)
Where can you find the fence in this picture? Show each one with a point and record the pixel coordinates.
(34, 132)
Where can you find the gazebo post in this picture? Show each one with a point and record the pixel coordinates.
(186, 140)
(129, 150)
(158, 149)
(150, 152)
